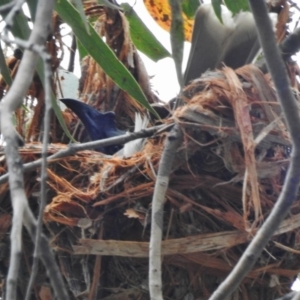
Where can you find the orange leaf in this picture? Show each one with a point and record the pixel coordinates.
(161, 13)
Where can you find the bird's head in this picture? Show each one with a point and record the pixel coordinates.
(98, 125)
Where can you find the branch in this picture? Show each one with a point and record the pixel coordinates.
(13, 99)
(15, 8)
(73, 148)
(5, 8)
(290, 188)
(161, 186)
(38, 234)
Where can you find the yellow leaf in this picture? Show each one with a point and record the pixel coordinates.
(161, 13)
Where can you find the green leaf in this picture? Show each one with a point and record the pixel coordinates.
(235, 6)
(32, 5)
(142, 37)
(82, 51)
(4, 69)
(189, 8)
(108, 4)
(79, 5)
(102, 54)
(216, 4)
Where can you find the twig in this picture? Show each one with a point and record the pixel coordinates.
(7, 7)
(97, 270)
(47, 256)
(72, 54)
(73, 148)
(38, 236)
(290, 188)
(9, 20)
(161, 186)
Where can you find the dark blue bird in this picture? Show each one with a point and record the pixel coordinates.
(98, 125)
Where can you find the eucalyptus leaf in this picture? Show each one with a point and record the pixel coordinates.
(32, 5)
(82, 51)
(79, 5)
(142, 37)
(189, 7)
(216, 4)
(235, 6)
(101, 53)
(108, 4)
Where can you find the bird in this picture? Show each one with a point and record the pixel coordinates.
(234, 43)
(136, 145)
(98, 125)
(103, 125)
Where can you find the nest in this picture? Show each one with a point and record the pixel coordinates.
(227, 175)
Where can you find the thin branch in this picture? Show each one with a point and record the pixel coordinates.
(97, 269)
(162, 181)
(73, 148)
(38, 236)
(7, 7)
(290, 188)
(72, 54)
(9, 20)
(47, 257)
